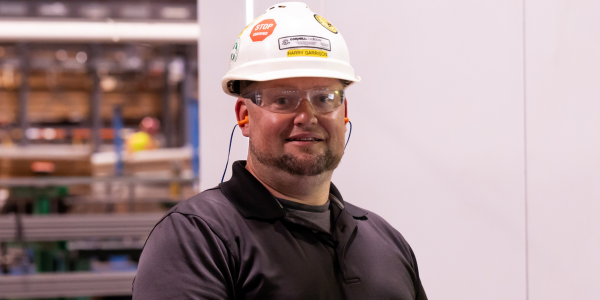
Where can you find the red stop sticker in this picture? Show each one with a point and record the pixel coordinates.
(262, 30)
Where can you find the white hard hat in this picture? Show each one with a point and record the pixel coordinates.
(288, 40)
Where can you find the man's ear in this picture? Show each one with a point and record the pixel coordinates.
(241, 113)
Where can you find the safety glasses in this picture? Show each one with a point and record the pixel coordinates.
(286, 100)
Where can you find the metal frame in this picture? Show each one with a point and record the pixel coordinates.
(74, 180)
(89, 31)
(23, 92)
(66, 285)
(32, 228)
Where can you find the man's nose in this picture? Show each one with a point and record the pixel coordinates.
(305, 113)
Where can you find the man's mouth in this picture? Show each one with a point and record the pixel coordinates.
(304, 139)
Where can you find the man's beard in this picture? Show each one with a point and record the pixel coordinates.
(311, 166)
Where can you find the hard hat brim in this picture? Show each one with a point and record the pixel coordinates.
(279, 68)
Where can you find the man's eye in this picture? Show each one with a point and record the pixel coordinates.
(325, 98)
(281, 101)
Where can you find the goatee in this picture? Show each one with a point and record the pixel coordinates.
(310, 166)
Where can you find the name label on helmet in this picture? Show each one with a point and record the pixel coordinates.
(307, 52)
(304, 41)
(262, 30)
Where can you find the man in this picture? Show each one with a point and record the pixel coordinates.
(279, 229)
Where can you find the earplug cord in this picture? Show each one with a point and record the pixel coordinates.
(228, 153)
(231, 140)
(349, 134)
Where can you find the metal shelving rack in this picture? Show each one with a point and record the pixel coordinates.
(29, 30)
(71, 227)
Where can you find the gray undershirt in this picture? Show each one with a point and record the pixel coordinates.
(318, 215)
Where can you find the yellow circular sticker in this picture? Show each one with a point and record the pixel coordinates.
(326, 24)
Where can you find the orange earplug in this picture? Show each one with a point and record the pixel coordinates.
(346, 120)
(244, 121)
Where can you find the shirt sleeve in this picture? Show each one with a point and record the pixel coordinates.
(183, 259)
(419, 290)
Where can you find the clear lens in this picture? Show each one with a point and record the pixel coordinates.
(286, 100)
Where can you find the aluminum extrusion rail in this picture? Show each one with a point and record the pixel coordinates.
(98, 31)
(76, 284)
(54, 181)
(73, 227)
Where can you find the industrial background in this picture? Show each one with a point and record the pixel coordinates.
(476, 135)
(99, 136)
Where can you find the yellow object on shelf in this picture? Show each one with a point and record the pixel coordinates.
(139, 141)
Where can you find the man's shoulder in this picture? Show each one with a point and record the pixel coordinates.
(211, 206)
(205, 203)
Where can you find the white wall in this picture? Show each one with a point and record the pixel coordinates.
(439, 140)
(220, 23)
(563, 148)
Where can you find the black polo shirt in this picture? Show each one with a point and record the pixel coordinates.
(236, 241)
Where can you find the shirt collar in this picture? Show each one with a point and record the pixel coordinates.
(254, 201)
